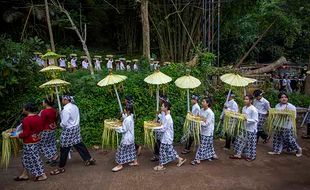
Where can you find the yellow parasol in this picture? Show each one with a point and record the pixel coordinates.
(157, 78)
(187, 82)
(112, 79)
(236, 80)
(52, 68)
(50, 55)
(56, 83)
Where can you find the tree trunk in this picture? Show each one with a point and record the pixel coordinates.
(145, 28)
(307, 83)
(254, 45)
(49, 25)
(271, 67)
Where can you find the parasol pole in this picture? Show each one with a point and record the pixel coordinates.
(188, 110)
(58, 99)
(229, 92)
(157, 98)
(244, 91)
(118, 100)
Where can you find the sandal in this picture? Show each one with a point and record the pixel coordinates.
(181, 162)
(249, 159)
(38, 178)
(20, 179)
(57, 171)
(235, 157)
(133, 164)
(159, 168)
(117, 168)
(194, 162)
(90, 162)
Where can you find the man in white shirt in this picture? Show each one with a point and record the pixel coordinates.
(70, 135)
(262, 105)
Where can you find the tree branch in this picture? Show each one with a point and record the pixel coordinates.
(166, 17)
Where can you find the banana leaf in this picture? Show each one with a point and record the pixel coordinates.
(279, 118)
(234, 124)
(191, 127)
(110, 138)
(8, 145)
(149, 130)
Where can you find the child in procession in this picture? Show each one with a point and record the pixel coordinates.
(161, 117)
(230, 105)
(167, 152)
(126, 152)
(247, 144)
(32, 126)
(262, 105)
(206, 149)
(48, 136)
(97, 64)
(62, 62)
(85, 64)
(284, 138)
(129, 102)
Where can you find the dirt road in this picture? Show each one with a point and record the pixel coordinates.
(266, 172)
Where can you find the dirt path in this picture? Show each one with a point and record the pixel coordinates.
(267, 172)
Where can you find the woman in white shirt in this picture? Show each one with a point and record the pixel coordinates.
(247, 143)
(166, 151)
(206, 150)
(284, 138)
(126, 151)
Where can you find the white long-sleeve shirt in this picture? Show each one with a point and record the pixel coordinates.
(232, 106)
(195, 109)
(207, 126)
(252, 118)
(167, 130)
(73, 62)
(70, 116)
(110, 64)
(262, 105)
(62, 63)
(135, 67)
(97, 65)
(121, 66)
(85, 64)
(127, 130)
(289, 106)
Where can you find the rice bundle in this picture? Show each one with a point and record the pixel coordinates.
(279, 118)
(8, 145)
(234, 124)
(110, 136)
(149, 137)
(191, 127)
